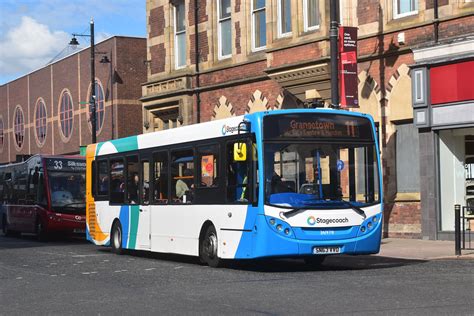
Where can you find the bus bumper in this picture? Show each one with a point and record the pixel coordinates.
(265, 242)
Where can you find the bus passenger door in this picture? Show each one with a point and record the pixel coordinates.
(145, 208)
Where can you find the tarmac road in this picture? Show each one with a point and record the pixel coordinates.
(75, 277)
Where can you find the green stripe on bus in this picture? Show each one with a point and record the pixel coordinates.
(134, 216)
(125, 144)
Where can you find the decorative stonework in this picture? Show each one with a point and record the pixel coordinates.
(399, 105)
(223, 109)
(167, 86)
(279, 101)
(257, 103)
(369, 96)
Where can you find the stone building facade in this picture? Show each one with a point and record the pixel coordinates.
(264, 54)
(47, 110)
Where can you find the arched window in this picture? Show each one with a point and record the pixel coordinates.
(40, 121)
(1, 132)
(99, 106)
(19, 126)
(66, 114)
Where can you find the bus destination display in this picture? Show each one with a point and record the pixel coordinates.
(71, 165)
(317, 126)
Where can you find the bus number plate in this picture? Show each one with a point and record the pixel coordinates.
(326, 250)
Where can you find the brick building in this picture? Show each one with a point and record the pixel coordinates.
(264, 54)
(47, 110)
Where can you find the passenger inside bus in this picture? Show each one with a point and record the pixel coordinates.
(184, 184)
(133, 188)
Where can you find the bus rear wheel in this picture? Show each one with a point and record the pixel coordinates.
(116, 239)
(208, 247)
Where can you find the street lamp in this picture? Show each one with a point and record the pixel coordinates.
(92, 104)
(106, 60)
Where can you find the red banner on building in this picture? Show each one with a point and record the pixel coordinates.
(349, 96)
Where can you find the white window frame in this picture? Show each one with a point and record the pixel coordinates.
(279, 26)
(219, 31)
(308, 28)
(264, 9)
(402, 15)
(176, 56)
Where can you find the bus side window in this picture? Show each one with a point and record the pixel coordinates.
(182, 173)
(103, 178)
(160, 178)
(133, 179)
(145, 183)
(117, 181)
(237, 177)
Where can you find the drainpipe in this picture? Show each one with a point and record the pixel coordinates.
(436, 21)
(196, 57)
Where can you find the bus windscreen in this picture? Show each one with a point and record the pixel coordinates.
(318, 125)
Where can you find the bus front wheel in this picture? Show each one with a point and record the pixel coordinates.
(40, 231)
(6, 231)
(208, 248)
(116, 239)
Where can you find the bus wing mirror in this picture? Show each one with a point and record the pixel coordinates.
(240, 152)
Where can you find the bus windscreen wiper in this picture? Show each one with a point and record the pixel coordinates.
(292, 212)
(357, 209)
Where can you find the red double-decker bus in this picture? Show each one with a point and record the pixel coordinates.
(43, 195)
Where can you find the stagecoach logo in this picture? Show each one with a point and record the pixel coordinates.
(77, 217)
(229, 129)
(313, 221)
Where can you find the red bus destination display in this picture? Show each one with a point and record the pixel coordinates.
(317, 126)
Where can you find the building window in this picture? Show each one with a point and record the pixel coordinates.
(1, 133)
(259, 29)
(66, 113)
(405, 7)
(311, 15)
(166, 118)
(99, 107)
(180, 34)
(19, 126)
(40, 121)
(284, 18)
(224, 29)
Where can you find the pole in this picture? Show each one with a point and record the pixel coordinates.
(197, 57)
(334, 66)
(92, 100)
(457, 229)
(112, 94)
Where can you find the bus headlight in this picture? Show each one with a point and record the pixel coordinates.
(369, 225)
(279, 227)
(362, 229)
(375, 219)
(272, 221)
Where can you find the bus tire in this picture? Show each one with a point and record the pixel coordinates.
(314, 261)
(208, 248)
(5, 230)
(40, 231)
(116, 238)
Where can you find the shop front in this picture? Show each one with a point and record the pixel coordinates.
(443, 111)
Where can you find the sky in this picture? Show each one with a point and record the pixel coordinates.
(33, 32)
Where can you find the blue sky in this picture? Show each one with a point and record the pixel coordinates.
(32, 32)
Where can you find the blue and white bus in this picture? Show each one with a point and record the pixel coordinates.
(287, 183)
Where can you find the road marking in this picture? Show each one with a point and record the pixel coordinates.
(149, 269)
(54, 275)
(19, 278)
(94, 272)
(86, 273)
(178, 267)
(63, 274)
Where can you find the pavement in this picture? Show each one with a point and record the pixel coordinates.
(418, 249)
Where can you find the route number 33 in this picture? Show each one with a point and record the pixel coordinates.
(58, 165)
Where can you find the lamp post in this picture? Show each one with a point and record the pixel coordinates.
(92, 103)
(333, 32)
